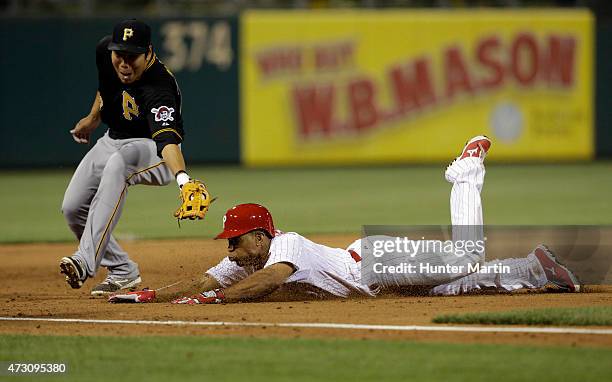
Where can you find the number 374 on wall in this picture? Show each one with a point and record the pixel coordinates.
(188, 44)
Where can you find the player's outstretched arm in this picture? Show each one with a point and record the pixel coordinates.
(207, 282)
(260, 283)
(173, 157)
(256, 286)
(195, 198)
(83, 129)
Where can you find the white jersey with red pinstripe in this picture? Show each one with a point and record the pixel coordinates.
(333, 270)
(336, 271)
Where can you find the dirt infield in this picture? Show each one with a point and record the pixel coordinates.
(33, 287)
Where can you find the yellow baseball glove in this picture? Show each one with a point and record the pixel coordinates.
(195, 201)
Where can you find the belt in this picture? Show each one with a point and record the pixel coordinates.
(355, 255)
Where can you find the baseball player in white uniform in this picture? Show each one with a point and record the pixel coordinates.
(262, 259)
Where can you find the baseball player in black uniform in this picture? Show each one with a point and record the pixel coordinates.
(140, 101)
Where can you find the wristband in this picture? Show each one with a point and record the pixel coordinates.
(181, 178)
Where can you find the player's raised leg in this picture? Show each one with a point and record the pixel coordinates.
(431, 264)
(467, 173)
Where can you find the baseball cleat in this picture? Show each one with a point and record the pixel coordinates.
(114, 284)
(75, 275)
(555, 272)
(477, 147)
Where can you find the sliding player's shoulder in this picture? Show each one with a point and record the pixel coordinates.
(287, 238)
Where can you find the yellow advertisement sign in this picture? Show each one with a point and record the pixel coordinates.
(338, 87)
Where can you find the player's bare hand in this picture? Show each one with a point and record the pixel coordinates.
(83, 129)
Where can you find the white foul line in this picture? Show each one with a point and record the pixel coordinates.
(476, 329)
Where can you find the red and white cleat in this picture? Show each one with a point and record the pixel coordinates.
(556, 272)
(477, 147)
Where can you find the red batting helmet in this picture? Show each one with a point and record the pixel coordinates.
(244, 218)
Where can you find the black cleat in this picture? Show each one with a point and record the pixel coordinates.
(75, 275)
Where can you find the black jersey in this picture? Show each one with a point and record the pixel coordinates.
(147, 108)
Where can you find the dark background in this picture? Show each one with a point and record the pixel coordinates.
(48, 74)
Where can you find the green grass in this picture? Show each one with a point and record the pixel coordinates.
(234, 359)
(587, 316)
(321, 200)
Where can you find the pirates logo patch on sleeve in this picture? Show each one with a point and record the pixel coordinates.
(163, 114)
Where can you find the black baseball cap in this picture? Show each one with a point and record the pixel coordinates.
(132, 36)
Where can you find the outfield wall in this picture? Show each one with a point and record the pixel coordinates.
(331, 87)
(407, 86)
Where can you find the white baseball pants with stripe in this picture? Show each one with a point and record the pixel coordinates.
(467, 176)
(524, 273)
(94, 199)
